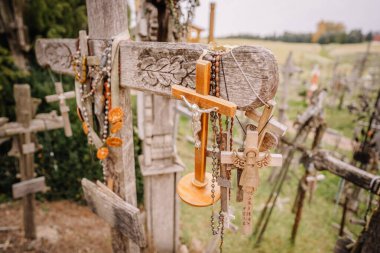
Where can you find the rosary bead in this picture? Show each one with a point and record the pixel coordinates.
(217, 78)
(217, 64)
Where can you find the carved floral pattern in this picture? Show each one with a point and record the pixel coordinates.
(167, 71)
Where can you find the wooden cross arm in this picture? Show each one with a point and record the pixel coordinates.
(56, 97)
(273, 125)
(204, 101)
(323, 160)
(227, 158)
(23, 188)
(56, 54)
(157, 66)
(36, 125)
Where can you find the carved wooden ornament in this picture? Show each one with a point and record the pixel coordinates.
(156, 67)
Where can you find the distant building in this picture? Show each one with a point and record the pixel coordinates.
(376, 37)
(194, 33)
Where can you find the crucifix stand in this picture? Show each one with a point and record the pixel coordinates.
(195, 188)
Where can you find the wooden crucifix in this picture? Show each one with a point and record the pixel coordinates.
(61, 97)
(195, 188)
(154, 68)
(24, 146)
(288, 70)
(250, 161)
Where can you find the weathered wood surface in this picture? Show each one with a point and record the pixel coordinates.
(155, 67)
(28, 186)
(56, 54)
(106, 20)
(118, 213)
(24, 115)
(324, 161)
(369, 242)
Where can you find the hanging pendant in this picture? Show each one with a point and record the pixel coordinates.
(116, 127)
(85, 128)
(115, 115)
(114, 142)
(102, 153)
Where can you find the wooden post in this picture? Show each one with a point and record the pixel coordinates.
(212, 23)
(107, 19)
(24, 117)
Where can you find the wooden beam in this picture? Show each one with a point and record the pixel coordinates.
(28, 186)
(156, 66)
(43, 122)
(273, 126)
(118, 213)
(205, 101)
(324, 161)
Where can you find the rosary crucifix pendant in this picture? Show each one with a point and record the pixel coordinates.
(196, 113)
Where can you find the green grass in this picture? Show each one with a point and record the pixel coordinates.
(315, 233)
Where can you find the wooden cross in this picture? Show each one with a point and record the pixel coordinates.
(288, 70)
(61, 97)
(195, 188)
(24, 148)
(250, 161)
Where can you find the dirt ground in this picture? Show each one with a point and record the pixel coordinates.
(62, 226)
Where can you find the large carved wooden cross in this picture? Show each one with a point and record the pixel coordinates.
(24, 146)
(154, 68)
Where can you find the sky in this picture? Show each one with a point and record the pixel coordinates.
(265, 17)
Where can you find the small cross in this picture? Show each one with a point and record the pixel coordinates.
(195, 188)
(61, 97)
(250, 161)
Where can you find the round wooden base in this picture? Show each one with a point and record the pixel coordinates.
(194, 195)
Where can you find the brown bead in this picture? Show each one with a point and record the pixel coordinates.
(217, 78)
(79, 113)
(217, 64)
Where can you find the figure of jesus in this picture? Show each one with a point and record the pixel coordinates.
(196, 119)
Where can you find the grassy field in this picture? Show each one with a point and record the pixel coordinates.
(316, 232)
